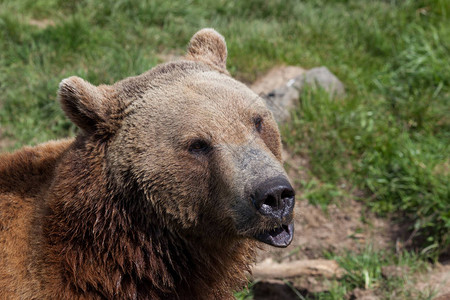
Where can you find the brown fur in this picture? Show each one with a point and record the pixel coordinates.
(125, 211)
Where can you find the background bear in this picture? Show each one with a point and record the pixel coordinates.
(174, 175)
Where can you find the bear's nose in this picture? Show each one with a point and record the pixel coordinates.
(274, 198)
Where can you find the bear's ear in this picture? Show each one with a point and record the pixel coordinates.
(208, 46)
(82, 102)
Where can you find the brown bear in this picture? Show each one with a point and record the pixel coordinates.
(174, 177)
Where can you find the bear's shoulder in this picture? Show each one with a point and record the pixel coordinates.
(24, 170)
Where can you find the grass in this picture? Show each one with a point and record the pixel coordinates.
(365, 271)
(367, 145)
(389, 137)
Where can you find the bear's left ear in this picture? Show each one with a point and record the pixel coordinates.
(209, 46)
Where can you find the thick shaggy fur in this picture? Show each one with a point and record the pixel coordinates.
(125, 210)
(94, 244)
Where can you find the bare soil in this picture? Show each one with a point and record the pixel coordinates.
(436, 281)
(348, 226)
(344, 226)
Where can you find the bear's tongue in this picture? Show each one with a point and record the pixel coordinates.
(279, 237)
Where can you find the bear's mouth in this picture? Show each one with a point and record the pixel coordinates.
(278, 237)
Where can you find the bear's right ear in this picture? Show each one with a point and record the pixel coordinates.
(82, 102)
(209, 46)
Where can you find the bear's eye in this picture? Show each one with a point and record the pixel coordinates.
(258, 121)
(199, 146)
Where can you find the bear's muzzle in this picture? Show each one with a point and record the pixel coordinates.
(274, 199)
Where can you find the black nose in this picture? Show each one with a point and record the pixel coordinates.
(274, 198)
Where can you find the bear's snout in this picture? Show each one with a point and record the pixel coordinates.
(264, 209)
(274, 198)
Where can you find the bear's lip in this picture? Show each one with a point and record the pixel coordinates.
(278, 237)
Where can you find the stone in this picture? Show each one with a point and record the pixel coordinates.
(322, 78)
(284, 98)
(275, 78)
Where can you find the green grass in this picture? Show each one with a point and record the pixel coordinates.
(364, 271)
(389, 137)
(245, 294)
(401, 170)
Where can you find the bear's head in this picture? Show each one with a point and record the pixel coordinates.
(193, 149)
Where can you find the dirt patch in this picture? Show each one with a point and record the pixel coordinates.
(436, 281)
(360, 294)
(339, 229)
(296, 167)
(41, 24)
(346, 226)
